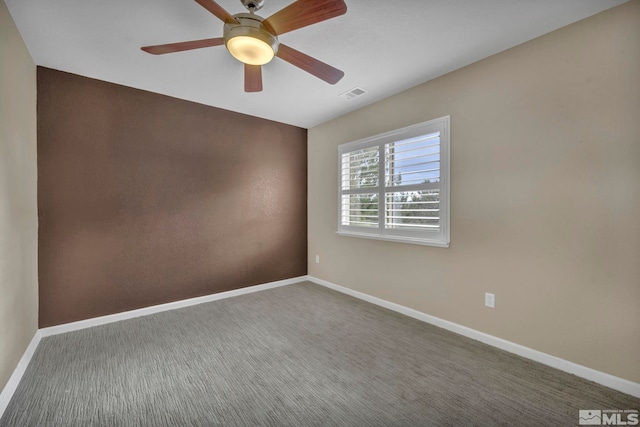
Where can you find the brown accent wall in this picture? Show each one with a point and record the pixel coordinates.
(145, 199)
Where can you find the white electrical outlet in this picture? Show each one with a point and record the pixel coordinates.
(490, 300)
(317, 259)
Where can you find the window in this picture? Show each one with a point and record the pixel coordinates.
(395, 186)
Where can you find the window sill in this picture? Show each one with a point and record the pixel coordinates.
(396, 239)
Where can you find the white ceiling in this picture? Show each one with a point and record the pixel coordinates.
(382, 46)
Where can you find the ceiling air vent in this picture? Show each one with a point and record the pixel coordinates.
(353, 93)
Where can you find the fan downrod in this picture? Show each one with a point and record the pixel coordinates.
(252, 5)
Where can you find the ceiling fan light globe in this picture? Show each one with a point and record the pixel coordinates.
(250, 50)
(249, 41)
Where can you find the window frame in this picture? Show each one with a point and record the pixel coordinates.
(439, 238)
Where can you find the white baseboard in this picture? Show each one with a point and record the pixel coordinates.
(14, 380)
(607, 380)
(102, 320)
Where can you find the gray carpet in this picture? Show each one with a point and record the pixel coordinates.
(299, 355)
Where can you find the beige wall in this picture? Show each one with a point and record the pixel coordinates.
(545, 202)
(18, 212)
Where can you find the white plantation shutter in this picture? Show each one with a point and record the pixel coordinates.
(359, 177)
(412, 183)
(395, 186)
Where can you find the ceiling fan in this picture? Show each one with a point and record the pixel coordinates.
(254, 40)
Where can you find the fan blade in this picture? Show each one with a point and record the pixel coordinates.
(311, 65)
(179, 47)
(252, 78)
(217, 10)
(303, 13)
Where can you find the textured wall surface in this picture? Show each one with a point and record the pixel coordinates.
(18, 211)
(145, 199)
(545, 196)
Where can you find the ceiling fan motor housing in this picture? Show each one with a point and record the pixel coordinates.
(253, 5)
